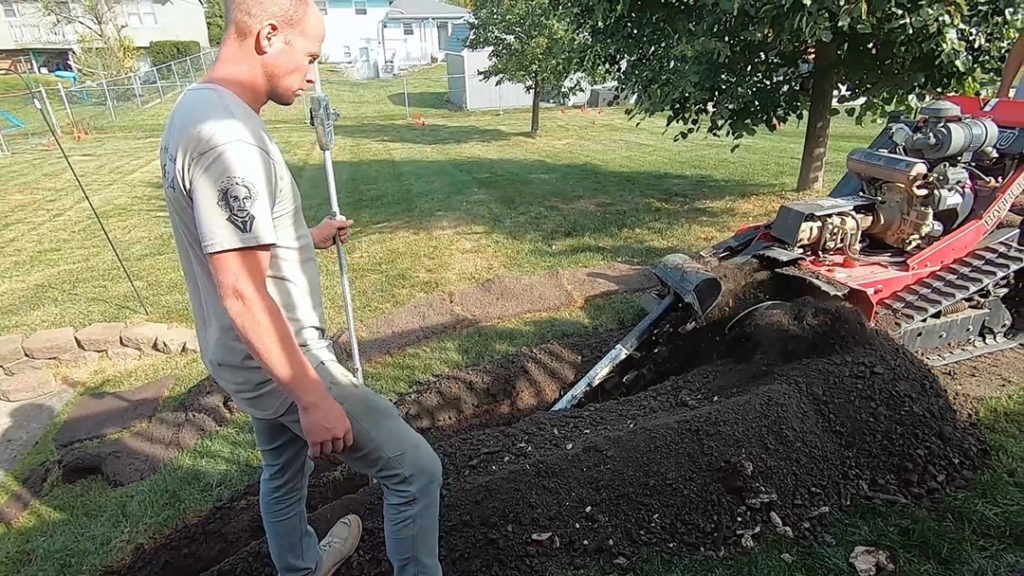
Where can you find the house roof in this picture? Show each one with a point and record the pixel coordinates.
(458, 37)
(424, 9)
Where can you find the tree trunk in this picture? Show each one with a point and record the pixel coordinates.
(535, 119)
(819, 119)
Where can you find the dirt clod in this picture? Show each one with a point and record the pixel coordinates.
(869, 561)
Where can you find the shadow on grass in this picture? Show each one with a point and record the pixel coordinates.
(589, 209)
(116, 516)
(408, 133)
(428, 100)
(476, 344)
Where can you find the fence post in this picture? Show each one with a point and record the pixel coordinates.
(159, 83)
(405, 89)
(177, 81)
(110, 105)
(191, 70)
(49, 110)
(138, 91)
(67, 105)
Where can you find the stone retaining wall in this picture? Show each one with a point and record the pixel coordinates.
(26, 362)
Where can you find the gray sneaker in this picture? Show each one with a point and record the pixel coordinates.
(339, 544)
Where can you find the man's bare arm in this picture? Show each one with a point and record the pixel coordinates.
(240, 276)
(1014, 61)
(241, 282)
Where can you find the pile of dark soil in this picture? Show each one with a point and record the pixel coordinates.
(496, 393)
(788, 418)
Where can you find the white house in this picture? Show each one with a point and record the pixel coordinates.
(26, 31)
(377, 37)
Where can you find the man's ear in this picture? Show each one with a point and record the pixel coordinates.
(268, 36)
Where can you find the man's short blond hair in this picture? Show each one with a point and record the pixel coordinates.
(242, 17)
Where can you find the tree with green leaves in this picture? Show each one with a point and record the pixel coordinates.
(215, 21)
(531, 44)
(103, 45)
(731, 67)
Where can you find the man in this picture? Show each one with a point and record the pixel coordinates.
(1010, 70)
(250, 269)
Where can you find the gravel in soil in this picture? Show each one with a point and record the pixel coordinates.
(787, 419)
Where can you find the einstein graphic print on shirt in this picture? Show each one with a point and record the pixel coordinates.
(236, 197)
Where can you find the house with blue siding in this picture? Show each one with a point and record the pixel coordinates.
(378, 37)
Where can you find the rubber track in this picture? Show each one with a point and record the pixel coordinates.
(976, 271)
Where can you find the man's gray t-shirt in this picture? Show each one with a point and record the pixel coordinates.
(227, 187)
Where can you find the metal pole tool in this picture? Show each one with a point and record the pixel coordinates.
(321, 118)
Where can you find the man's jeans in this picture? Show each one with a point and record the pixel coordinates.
(385, 448)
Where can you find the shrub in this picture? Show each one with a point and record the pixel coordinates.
(163, 51)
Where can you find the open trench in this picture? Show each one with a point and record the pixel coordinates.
(711, 441)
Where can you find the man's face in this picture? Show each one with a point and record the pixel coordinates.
(290, 65)
(240, 201)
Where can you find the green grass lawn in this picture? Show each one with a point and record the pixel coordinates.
(9, 83)
(437, 207)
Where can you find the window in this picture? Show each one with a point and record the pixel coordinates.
(322, 5)
(360, 6)
(407, 29)
(346, 53)
(10, 10)
(140, 13)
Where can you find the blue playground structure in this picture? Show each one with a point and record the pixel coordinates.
(66, 75)
(12, 119)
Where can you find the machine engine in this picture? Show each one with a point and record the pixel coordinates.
(923, 235)
(908, 198)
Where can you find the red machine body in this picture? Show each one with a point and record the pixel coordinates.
(928, 193)
(871, 283)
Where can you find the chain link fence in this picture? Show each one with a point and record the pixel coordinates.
(138, 104)
(125, 104)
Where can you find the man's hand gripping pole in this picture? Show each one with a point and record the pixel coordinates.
(321, 118)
